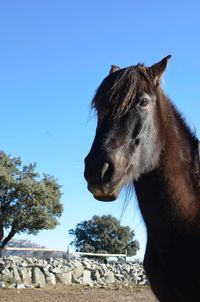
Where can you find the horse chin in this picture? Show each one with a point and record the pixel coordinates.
(106, 198)
(107, 193)
(109, 196)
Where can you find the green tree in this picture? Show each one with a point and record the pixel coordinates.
(28, 203)
(104, 235)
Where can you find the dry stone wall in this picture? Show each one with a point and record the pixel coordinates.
(17, 272)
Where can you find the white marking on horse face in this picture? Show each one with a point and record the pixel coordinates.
(146, 157)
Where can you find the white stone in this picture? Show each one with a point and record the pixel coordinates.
(25, 274)
(2, 284)
(78, 271)
(21, 286)
(50, 278)
(87, 277)
(64, 278)
(38, 278)
(16, 276)
(110, 277)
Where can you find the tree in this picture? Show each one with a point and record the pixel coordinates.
(28, 203)
(104, 234)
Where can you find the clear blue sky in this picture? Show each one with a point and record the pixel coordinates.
(54, 54)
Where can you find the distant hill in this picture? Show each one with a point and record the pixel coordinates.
(23, 243)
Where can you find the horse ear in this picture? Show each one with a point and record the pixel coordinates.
(158, 69)
(114, 68)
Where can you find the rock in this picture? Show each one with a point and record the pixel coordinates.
(109, 278)
(76, 263)
(20, 286)
(26, 275)
(59, 270)
(48, 267)
(119, 277)
(104, 268)
(2, 284)
(7, 276)
(55, 263)
(14, 259)
(64, 278)
(29, 260)
(16, 276)
(95, 275)
(87, 277)
(56, 270)
(38, 278)
(78, 272)
(89, 265)
(50, 278)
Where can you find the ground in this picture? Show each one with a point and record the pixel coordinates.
(78, 294)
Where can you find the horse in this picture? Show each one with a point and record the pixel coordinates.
(142, 139)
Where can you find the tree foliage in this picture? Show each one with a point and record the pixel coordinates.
(104, 234)
(28, 203)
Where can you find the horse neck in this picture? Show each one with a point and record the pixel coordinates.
(173, 185)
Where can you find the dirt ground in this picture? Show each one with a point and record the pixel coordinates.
(78, 294)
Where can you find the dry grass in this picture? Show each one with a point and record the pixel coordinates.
(78, 294)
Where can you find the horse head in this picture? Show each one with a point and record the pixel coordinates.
(127, 143)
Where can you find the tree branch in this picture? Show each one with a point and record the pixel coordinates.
(8, 238)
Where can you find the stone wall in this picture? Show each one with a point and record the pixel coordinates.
(31, 272)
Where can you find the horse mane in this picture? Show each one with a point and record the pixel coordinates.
(119, 90)
(184, 126)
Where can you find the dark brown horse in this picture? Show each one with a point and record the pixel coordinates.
(142, 138)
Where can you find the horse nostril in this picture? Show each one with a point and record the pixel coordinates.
(107, 172)
(104, 169)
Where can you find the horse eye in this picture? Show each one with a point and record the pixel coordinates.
(143, 103)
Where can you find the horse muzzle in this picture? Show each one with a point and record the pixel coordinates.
(103, 177)
(108, 192)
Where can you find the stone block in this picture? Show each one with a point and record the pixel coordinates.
(78, 272)
(38, 278)
(64, 278)
(87, 277)
(110, 278)
(26, 275)
(50, 278)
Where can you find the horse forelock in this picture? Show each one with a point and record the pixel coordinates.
(119, 90)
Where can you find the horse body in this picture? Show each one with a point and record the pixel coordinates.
(141, 137)
(169, 201)
(172, 253)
